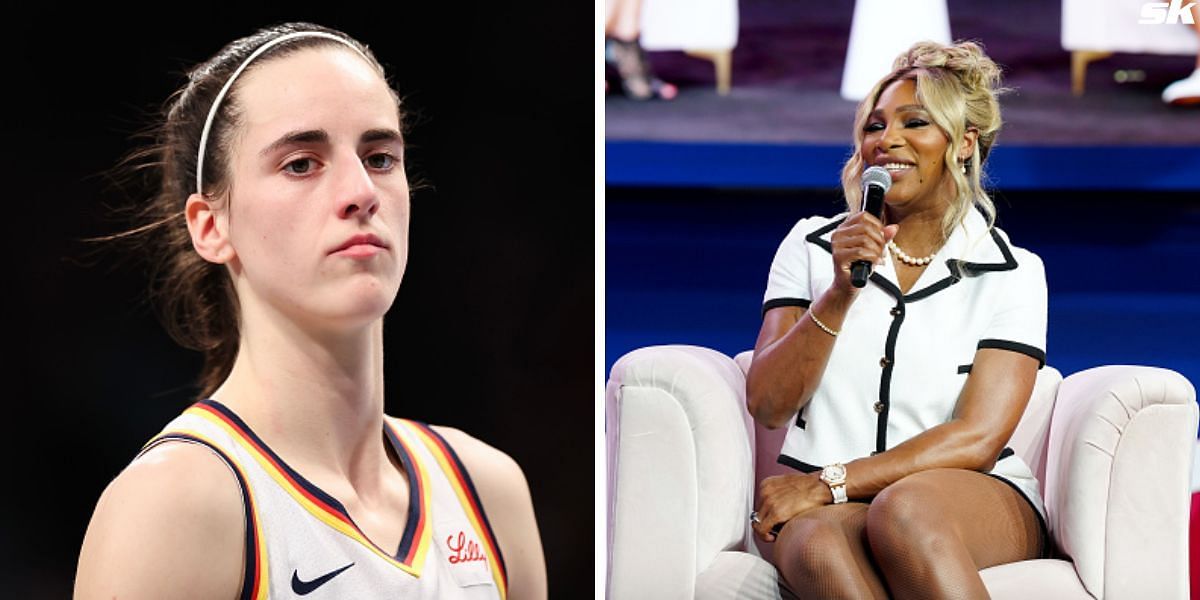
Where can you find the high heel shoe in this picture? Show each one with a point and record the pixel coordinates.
(637, 78)
(1185, 92)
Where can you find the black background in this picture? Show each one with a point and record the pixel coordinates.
(492, 331)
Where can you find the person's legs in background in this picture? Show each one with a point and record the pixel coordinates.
(621, 49)
(1187, 91)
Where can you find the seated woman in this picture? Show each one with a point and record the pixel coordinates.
(900, 396)
(282, 229)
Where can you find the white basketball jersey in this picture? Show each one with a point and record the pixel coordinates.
(301, 542)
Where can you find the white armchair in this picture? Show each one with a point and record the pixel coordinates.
(1111, 446)
(1094, 29)
(706, 29)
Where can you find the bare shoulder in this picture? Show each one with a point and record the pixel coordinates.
(171, 525)
(497, 477)
(509, 506)
(487, 465)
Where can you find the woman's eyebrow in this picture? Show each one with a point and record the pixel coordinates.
(878, 113)
(309, 136)
(381, 135)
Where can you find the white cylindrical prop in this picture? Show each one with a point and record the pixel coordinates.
(880, 31)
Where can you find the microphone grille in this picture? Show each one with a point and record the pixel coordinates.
(877, 176)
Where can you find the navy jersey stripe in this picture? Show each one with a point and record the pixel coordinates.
(308, 486)
(415, 506)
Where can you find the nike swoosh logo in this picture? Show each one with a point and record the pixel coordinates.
(306, 587)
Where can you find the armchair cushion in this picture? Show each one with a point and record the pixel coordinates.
(738, 575)
(689, 24)
(1045, 579)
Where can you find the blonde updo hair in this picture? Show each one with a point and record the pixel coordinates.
(958, 85)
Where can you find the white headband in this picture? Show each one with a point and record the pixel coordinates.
(212, 112)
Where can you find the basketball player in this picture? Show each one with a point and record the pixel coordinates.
(282, 223)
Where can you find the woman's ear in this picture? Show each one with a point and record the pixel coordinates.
(970, 137)
(209, 229)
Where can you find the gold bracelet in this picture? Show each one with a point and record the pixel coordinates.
(823, 326)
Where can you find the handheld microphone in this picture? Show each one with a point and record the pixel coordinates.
(876, 182)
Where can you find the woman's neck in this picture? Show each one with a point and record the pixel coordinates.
(315, 398)
(920, 232)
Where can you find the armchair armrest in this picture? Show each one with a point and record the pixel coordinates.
(681, 471)
(1117, 479)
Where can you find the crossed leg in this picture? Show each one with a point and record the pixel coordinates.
(925, 536)
(823, 553)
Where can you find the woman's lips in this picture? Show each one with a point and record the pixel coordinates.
(359, 251)
(361, 245)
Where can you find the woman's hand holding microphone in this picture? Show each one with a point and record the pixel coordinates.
(860, 237)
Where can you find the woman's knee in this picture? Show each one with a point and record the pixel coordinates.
(810, 547)
(907, 515)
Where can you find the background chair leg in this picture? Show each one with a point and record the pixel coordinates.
(1079, 63)
(723, 64)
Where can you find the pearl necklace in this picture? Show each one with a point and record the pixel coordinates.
(908, 260)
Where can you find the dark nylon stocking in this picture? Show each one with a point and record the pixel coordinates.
(823, 554)
(927, 535)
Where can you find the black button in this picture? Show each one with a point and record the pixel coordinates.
(878, 407)
(884, 362)
(895, 311)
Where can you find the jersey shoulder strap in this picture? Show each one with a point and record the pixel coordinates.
(188, 428)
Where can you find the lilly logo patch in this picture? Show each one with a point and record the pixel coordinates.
(463, 550)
